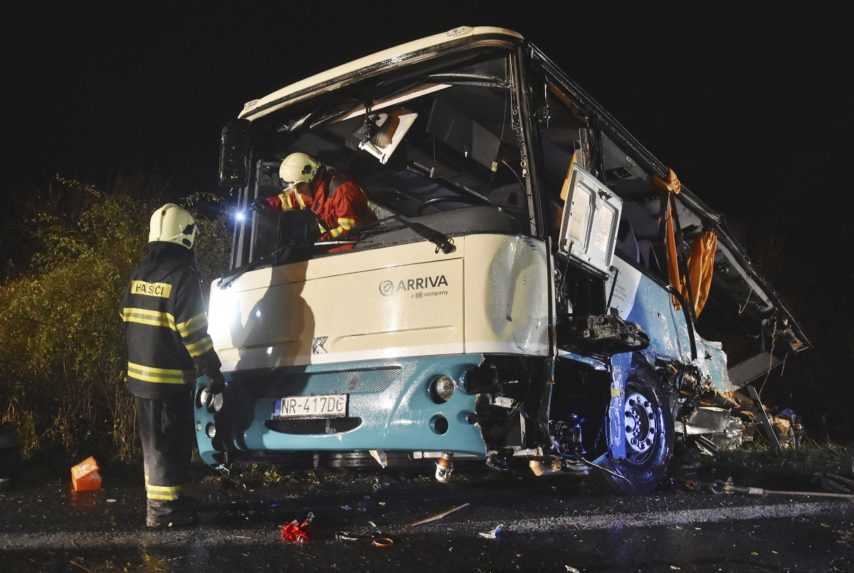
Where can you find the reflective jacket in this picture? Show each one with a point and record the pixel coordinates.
(165, 323)
(337, 201)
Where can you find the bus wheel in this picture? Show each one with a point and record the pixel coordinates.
(648, 438)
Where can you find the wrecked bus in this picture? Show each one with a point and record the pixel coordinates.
(539, 291)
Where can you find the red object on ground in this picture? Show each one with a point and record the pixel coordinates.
(297, 531)
(85, 476)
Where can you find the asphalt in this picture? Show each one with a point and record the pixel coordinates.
(549, 524)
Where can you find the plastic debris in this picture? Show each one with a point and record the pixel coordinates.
(298, 531)
(85, 476)
(570, 569)
(382, 542)
(346, 508)
(439, 516)
(494, 534)
(346, 536)
(111, 500)
(380, 457)
(79, 566)
(376, 537)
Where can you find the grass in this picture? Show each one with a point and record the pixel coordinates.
(792, 467)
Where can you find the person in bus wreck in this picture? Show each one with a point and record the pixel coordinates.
(332, 204)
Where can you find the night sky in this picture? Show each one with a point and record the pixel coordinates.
(732, 107)
(753, 112)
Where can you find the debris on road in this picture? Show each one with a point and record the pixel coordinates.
(493, 534)
(729, 487)
(298, 531)
(85, 476)
(764, 421)
(376, 537)
(715, 422)
(382, 542)
(835, 483)
(79, 566)
(439, 516)
(346, 536)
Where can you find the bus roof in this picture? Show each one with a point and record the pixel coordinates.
(368, 65)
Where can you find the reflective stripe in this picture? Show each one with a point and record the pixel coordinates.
(156, 375)
(291, 199)
(198, 348)
(346, 222)
(285, 201)
(195, 324)
(163, 492)
(161, 496)
(163, 488)
(148, 317)
(300, 200)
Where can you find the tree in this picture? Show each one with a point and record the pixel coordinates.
(62, 346)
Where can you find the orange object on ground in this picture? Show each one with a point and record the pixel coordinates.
(85, 476)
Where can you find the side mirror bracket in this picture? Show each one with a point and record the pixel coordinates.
(233, 154)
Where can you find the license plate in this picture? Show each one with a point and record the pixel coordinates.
(326, 406)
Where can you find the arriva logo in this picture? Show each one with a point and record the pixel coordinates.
(388, 288)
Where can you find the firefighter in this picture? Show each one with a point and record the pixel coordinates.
(168, 345)
(335, 201)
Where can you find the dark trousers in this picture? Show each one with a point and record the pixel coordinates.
(166, 431)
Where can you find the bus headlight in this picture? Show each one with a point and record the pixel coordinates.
(441, 389)
(213, 402)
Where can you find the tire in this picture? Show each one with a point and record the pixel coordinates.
(649, 437)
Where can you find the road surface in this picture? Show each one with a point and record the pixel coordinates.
(549, 524)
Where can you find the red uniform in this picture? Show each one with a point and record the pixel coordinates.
(339, 210)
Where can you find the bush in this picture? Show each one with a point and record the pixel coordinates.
(62, 347)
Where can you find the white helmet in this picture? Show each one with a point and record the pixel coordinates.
(173, 224)
(298, 168)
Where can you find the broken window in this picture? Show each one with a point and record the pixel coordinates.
(436, 147)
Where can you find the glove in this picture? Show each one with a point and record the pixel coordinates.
(215, 383)
(259, 205)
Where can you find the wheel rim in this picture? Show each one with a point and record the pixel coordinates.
(641, 426)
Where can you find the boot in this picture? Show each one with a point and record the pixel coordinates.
(170, 514)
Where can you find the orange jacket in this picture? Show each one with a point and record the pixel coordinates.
(337, 213)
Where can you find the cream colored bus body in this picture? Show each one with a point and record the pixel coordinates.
(488, 296)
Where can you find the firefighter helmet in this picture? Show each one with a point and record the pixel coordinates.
(298, 168)
(173, 224)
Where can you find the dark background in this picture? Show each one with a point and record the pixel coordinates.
(753, 112)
